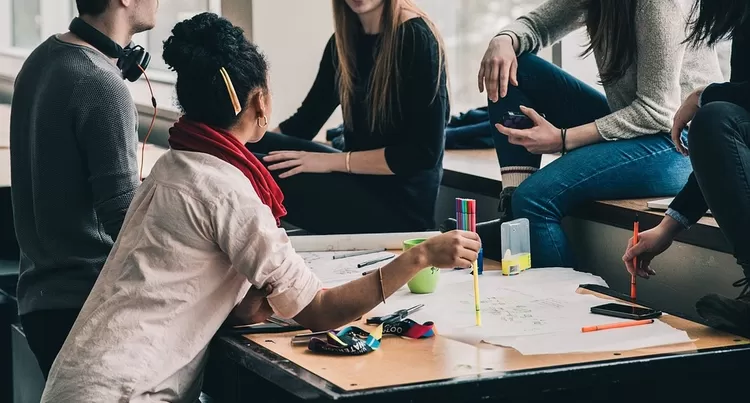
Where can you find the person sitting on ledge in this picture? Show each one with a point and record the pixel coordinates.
(719, 148)
(614, 145)
(385, 66)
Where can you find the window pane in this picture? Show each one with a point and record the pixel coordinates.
(170, 13)
(26, 23)
(467, 27)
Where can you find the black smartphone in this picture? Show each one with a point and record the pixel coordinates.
(517, 120)
(625, 311)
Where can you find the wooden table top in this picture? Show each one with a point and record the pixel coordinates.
(401, 361)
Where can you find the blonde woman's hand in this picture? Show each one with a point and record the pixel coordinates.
(297, 162)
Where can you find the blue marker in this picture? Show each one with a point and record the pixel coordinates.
(480, 261)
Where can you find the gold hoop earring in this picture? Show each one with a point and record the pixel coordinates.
(265, 121)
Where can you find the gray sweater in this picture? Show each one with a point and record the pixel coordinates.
(73, 140)
(645, 100)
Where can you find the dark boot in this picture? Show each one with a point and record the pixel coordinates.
(732, 315)
(489, 231)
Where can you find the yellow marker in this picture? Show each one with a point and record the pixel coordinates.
(476, 294)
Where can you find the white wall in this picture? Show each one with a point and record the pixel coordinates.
(467, 26)
(582, 68)
(292, 34)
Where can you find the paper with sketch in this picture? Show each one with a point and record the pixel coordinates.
(333, 272)
(391, 241)
(538, 305)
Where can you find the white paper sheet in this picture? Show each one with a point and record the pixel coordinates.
(613, 340)
(536, 312)
(333, 272)
(391, 241)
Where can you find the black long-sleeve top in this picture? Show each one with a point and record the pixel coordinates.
(690, 203)
(414, 143)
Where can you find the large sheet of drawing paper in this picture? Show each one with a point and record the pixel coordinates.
(535, 312)
(333, 272)
(319, 250)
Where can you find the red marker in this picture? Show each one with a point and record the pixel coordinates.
(617, 325)
(635, 259)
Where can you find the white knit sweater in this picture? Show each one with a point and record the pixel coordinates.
(665, 71)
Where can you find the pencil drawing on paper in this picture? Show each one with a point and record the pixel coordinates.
(338, 271)
(509, 312)
(311, 257)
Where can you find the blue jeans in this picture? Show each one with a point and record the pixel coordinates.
(648, 166)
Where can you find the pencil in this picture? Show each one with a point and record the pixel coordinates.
(357, 253)
(635, 259)
(471, 210)
(617, 325)
(378, 260)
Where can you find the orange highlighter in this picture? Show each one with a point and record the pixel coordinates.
(617, 325)
(635, 259)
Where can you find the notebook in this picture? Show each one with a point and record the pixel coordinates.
(663, 204)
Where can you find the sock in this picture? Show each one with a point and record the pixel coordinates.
(515, 175)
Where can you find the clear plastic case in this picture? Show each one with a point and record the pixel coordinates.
(514, 238)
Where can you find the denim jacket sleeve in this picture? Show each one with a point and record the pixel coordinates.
(689, 205)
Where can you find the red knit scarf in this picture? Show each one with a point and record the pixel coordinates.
(187, 135)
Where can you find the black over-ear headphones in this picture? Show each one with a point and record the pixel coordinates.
(130, 60)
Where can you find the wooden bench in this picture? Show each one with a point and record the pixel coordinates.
(477, 171)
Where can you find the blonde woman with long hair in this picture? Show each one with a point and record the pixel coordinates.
(385, 66)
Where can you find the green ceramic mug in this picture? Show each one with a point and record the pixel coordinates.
(426, 280)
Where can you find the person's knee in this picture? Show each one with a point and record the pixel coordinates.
(713, 124)
(530, 65)
(530, 60)
(526, 202)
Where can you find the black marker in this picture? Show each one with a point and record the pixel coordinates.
(371, 262)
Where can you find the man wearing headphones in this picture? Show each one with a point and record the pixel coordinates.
(74, 163)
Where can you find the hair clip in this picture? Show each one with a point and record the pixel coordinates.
(232, 93)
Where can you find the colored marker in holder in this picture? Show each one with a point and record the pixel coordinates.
(467, 221)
